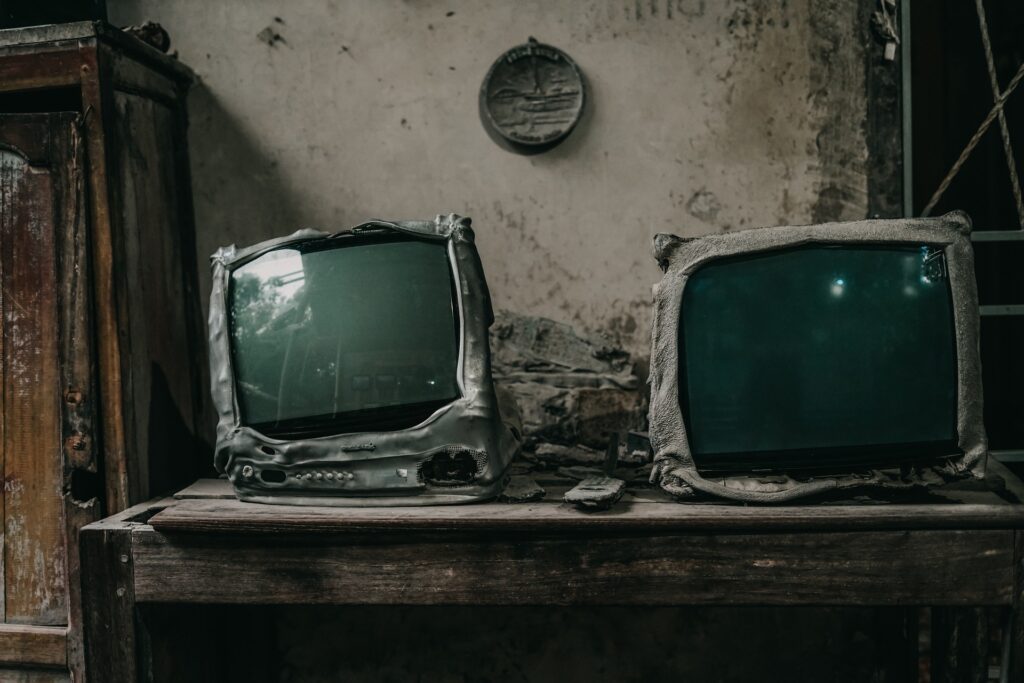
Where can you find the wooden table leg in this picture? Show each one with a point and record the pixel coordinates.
(108, 602)
(897, 637)
(959, 645)
(1016, 621)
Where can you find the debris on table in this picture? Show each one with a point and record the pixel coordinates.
(555, 455)
(611, 455)
(521, 489)
(572, 388)
(598, 493)
(152, 34)
(579, 472)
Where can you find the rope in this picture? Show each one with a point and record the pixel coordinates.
(973, 142)
(1004, 129)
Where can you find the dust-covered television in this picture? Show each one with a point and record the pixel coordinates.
(796, 360)
(353, 368)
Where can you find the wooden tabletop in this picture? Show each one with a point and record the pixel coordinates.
(209, 506)
(955, 546)
(958, 546)
(230, 516)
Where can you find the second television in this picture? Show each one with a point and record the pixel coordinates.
(789, 361)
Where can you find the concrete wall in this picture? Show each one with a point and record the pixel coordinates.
(703, 116)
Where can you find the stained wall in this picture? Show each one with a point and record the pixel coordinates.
(703, 116)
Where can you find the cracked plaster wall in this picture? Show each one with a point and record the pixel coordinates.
(703, 116)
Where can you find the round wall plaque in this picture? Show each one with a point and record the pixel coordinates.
(532, 97)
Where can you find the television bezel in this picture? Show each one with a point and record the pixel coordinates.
(674, 466)
(380, 467)
(279, 428)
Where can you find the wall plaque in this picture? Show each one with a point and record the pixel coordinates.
(532, 98)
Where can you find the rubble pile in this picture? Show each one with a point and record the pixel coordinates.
(572, 390)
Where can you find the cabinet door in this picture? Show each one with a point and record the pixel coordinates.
(46, 445)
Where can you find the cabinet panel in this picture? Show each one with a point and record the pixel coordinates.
(100, 343)
(47, 446)
(34, 550)
(33, 676)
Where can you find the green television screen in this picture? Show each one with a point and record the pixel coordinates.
(819, 356)
(344, 335)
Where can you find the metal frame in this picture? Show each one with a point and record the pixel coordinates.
(1012, 235)
(1002, 310)
(1007, 235)
(906, 102)
(679, 258)
(375, 468)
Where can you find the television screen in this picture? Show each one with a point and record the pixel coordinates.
(343, 335)
(817, 356)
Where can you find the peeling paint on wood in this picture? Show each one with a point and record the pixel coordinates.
(46, 392)
(34, 555)
(84, 370)
(33, 676)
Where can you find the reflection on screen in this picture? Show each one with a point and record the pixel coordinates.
(344, 335)
(817, 353)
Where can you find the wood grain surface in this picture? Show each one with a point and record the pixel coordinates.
(35, 557)
(227, 515)
(852, 568)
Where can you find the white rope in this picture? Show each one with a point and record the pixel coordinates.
(999, 99)
(1004, 128)
(973, 142)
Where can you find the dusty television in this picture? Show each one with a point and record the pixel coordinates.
(353, 368)
(794, 360)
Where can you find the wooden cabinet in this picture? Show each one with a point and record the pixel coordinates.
(100, 354)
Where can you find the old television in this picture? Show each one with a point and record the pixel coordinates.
(353, 368)
(794, 360)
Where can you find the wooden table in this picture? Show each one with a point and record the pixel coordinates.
(963, 547)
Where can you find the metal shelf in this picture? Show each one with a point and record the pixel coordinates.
(1015, 235)
(990, 310)
(1008, 455)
